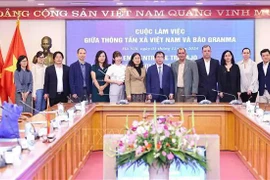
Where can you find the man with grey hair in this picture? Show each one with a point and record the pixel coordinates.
(186, 77)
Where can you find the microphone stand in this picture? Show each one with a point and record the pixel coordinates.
(166, 101)
(266, 105)
(204, 101)
(121, 101)
(233, 102)
(50, 136)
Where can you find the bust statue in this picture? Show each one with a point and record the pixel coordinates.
(46, 44)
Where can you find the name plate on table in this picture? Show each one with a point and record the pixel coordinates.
(141, 173)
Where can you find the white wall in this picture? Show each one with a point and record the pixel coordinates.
(262, 36)
(32, 32)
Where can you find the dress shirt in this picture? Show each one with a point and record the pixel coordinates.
(180, 78)
(265, 67)
(38, 72)
(82, 65)
(117, 72)
(160, 74)
(248, 76)
(59, 74)
(207, 66)
(160, 68)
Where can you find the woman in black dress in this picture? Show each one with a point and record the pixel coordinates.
(100, 92)
(228, 77)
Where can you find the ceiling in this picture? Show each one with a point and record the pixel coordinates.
(38, 3)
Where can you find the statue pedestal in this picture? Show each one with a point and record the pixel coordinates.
(156, 172)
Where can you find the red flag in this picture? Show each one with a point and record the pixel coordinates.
(3, 95)
(16, 49)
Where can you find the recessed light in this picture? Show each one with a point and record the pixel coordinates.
(80, 3)
(119, 3)
(198, 3)
(155, 1)
(40, 4)
(248, 3)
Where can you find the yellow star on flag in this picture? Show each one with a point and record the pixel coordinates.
(12, 68)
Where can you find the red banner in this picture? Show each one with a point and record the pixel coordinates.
(184, 12)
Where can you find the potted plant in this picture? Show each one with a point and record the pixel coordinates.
(158, 143)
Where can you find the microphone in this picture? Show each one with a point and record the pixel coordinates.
(75, 100)
(249, 97)
(121, 101)
(166, 101)
(204, 101)
(70, 99)
(233, 102)
(42, 113)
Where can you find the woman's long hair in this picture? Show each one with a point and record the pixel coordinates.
(18, 65)
(131, 63)
(105, 63)
(223, 62)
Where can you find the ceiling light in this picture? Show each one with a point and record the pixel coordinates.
(248, 3)
(119, 3)
(198, 3)
(155, 1)
(80, 3)
(40, 4)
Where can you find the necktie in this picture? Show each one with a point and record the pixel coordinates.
(160, 77)
(83, 73)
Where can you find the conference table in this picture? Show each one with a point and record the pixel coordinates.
(239, 131)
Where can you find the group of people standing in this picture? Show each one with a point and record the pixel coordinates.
(209, 78)
(183, 81)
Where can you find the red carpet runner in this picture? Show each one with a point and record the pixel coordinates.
(231, 167)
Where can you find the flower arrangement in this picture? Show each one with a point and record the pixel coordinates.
(160, 141)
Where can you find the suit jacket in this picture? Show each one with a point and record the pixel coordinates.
(231, 85)
(135, 84)
(50, 82)
(152, 81)
(207, 82)
(263, 79)
(190, 77)
(76, 78)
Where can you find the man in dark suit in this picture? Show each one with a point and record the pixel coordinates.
(159, 80)
(208, 75)
(56, 83)
(264, 76)
(79, 78)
